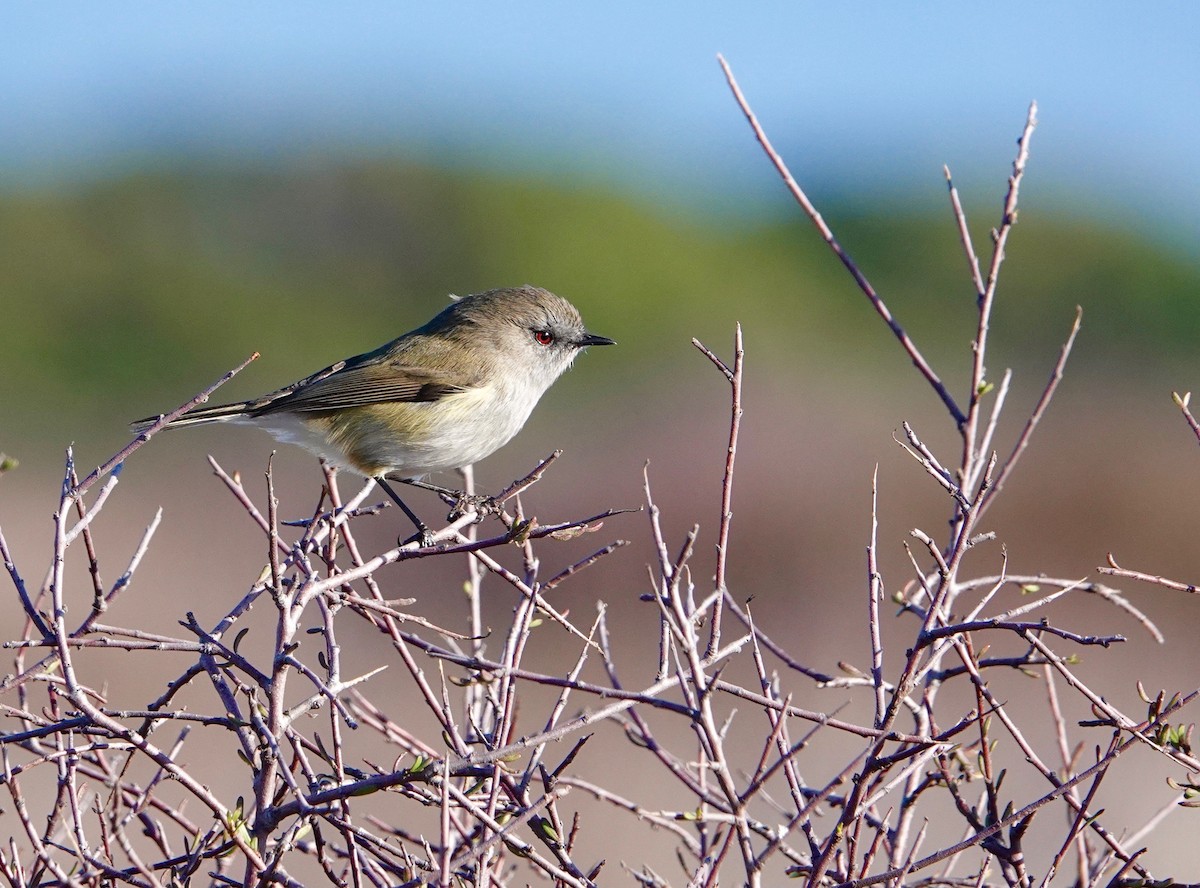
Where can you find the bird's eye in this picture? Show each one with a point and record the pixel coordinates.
(543, 337)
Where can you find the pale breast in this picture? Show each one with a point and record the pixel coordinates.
(409, 440)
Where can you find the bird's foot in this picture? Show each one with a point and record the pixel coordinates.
(481, 505)
(423, 538)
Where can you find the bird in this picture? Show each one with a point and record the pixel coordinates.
(443, 396)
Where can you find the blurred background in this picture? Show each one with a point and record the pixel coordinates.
(182, 185)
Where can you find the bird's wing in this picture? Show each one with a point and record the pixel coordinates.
(366, 379)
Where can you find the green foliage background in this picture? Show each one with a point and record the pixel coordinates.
(121, 297)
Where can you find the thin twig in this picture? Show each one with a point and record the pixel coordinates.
(734, 375)
(1031, 424)
(826, 233)
(113, 464)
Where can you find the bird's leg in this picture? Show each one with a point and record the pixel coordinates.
(460, 502)
(424, 535)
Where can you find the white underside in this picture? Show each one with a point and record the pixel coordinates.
(460, 430)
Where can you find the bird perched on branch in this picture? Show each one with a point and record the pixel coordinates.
(442, 396)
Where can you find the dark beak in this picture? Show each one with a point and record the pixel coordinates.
(593, 339)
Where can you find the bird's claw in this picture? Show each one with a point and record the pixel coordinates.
(481, 505)
(423, 538)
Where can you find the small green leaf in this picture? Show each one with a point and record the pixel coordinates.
(543, 828)
(520, 531)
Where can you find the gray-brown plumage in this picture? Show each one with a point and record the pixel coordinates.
(443, 396)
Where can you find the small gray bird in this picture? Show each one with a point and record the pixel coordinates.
(443, 396)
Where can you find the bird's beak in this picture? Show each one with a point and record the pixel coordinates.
(593, 339)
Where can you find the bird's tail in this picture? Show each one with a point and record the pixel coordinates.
(197, 416)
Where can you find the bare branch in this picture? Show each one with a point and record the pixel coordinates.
(826, 233)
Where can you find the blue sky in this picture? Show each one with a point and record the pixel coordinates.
(859, 96)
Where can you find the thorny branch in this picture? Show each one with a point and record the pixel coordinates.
(442, 763)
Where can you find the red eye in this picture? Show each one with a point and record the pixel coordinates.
(543, 337)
